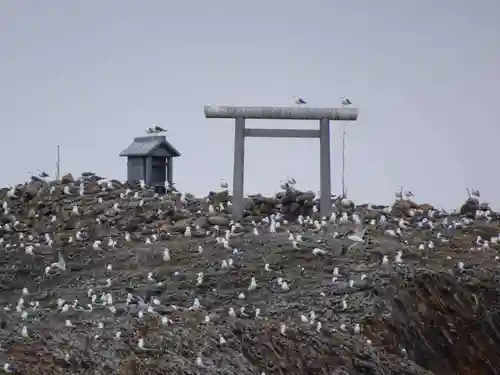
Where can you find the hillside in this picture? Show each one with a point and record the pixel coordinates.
(108, 267)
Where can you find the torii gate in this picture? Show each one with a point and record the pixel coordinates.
(239, 114)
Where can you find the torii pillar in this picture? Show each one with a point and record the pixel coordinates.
(323, 115)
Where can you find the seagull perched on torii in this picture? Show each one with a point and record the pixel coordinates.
(155, 129)
(298, 100)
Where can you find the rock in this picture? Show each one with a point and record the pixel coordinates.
(305, 197)
(423, 304)
(426, 207)
(67, 179)
(110, 212)
(370, 215)
(470, 207)
(202, 222)
(181, 225)
(219, 220)
(181, 215)
(403, 207)
(32, 189)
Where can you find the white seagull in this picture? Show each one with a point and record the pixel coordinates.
(299, 100)
(345, 101)
(155, 129)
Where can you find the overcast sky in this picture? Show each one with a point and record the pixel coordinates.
(90, 75)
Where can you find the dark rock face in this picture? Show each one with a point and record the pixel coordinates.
(67, 179)
(470, 207)
(420, 316)
(402, 206)
(218, 220)
(450, 327)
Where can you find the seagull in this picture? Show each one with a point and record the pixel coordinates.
(159, 129)
(155, 129)
(345, 101)
(60, 264)
(408, 194)
(299, 100)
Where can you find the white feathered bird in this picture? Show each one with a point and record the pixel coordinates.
(299, 100)
(155, 129)
(345, 101)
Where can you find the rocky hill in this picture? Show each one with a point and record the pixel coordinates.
(100, 277)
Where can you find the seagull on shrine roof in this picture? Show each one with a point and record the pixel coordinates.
(345, 101)
(298, 100)
(155, 129)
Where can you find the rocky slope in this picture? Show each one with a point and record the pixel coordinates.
(417, 294)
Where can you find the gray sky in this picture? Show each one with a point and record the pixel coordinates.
(91, 75)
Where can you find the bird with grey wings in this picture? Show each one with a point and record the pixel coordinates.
(298, 100)
(155, 129)
(345, 101)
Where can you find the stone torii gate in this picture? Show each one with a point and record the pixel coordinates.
(240, 114)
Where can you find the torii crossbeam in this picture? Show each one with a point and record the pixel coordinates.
(324, 115)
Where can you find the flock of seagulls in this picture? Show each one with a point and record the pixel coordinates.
(206, 274)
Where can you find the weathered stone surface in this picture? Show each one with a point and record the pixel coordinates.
(180, 226)
(67, 179)
(470, 207)
(219, 220)
(445, 319)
